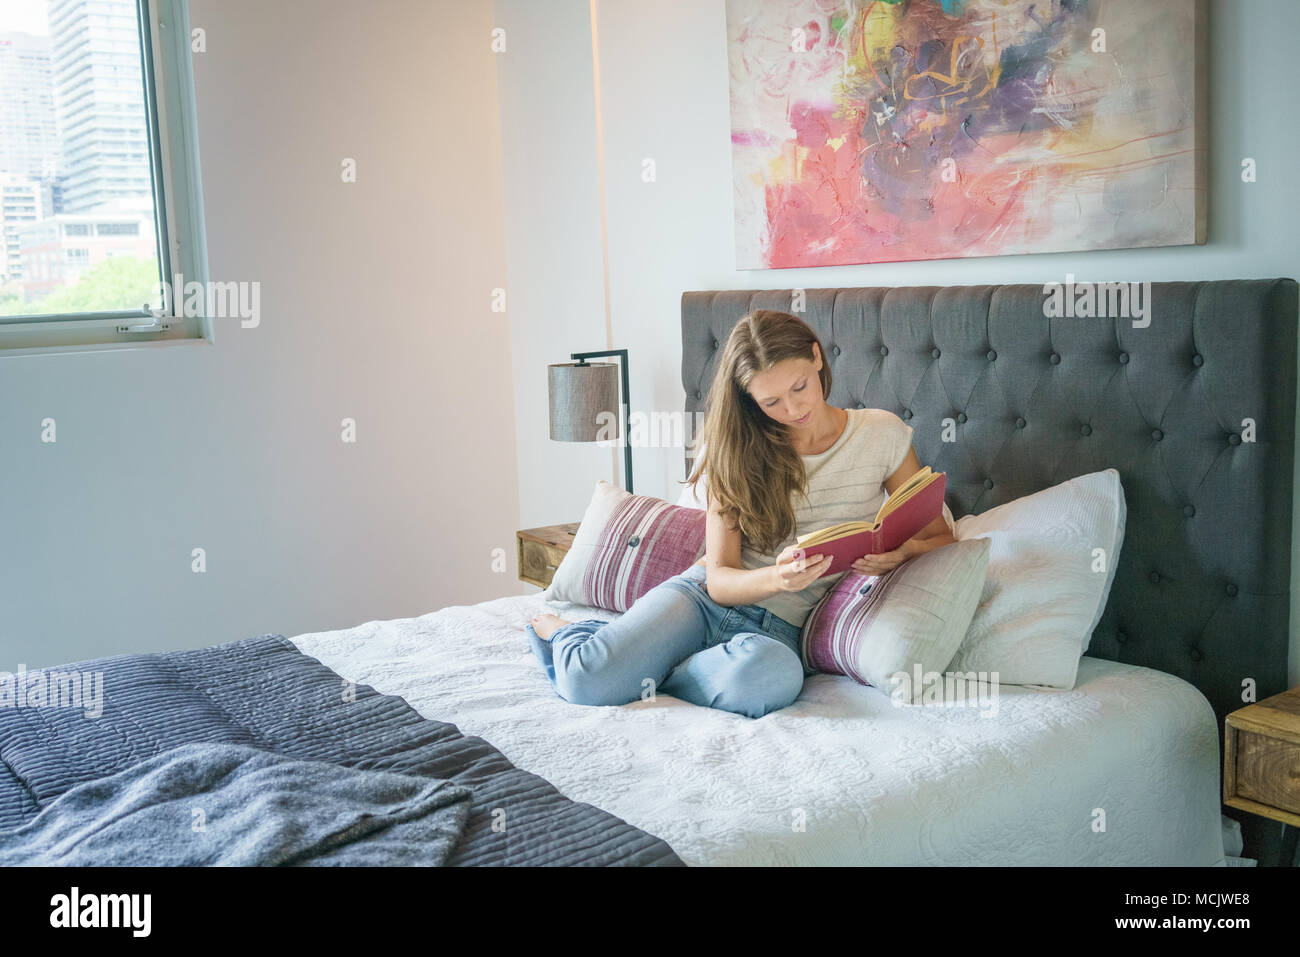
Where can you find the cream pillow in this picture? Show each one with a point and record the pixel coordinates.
(1051, 565)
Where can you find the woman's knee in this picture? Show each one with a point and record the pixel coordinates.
(766, 674)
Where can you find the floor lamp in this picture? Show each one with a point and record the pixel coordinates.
(580, 392)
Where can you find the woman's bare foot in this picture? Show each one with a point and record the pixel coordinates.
(547, 625)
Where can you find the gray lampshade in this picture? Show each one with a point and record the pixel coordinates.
(579, 393)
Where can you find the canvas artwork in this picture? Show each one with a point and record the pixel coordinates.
(893, 130)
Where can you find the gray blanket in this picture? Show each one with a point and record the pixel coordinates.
(204, 804)
(264, 693)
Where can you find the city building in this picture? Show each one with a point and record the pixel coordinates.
(56, 251)
(99, 94)
(21, 202)
(29, 134)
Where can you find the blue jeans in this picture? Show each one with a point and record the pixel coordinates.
(675, 639)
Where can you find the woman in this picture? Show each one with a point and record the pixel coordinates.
(725, 632)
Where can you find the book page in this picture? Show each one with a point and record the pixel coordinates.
(922, 478)
(913, 486)
(831, 532)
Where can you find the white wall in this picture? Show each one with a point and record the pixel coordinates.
(553, 241)
(664, 94)
(375, 305)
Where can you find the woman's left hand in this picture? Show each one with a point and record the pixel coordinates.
(884, 562)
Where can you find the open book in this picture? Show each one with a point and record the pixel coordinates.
(911, 507)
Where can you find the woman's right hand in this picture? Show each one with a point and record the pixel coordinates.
(795, 572)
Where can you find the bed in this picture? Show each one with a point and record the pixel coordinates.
(1200, 601)
(841, 777)
(1122, 769)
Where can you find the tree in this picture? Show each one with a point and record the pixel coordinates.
(121, 282)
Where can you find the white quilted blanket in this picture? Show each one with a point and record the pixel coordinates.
(1121, 770)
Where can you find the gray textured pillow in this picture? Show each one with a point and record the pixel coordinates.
(913, 616)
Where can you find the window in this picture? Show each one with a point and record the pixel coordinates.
(102, 169)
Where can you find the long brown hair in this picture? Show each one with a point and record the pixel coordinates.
(753, 469)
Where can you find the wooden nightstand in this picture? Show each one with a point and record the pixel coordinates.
(1261, 762)
(541, 550)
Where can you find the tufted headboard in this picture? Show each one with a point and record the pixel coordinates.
(1202, 588)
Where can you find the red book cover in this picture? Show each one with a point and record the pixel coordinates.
(896, 527)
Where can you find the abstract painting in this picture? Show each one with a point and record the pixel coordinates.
(894, 130)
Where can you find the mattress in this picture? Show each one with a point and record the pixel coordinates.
(1121, 770)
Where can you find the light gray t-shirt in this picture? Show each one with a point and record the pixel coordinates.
(846, 483)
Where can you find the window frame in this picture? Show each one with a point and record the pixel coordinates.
(175, 173)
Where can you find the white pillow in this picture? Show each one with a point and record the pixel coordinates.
(1046, 584)
(566, 583)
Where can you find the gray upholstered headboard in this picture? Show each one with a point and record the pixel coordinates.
(1202, 589)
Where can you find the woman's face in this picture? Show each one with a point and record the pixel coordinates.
(791, 391)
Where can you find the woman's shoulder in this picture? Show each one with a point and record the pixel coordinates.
(880, 419)
(882, 436)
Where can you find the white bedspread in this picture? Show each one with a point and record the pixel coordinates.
(842, 776)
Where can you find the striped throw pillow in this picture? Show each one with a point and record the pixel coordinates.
(872, 627)
(626, 545)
